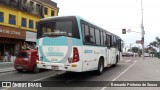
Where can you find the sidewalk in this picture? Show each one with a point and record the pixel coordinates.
(6, 67)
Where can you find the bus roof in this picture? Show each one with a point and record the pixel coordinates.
(79, 18)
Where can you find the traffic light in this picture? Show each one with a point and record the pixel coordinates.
(142, 41)
(123, 31)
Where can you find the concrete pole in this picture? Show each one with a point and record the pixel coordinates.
(130, 47)
(142, 31)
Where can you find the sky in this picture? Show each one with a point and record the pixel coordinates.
(115, 15)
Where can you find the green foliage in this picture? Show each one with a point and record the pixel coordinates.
(135, 49)
(155, 43)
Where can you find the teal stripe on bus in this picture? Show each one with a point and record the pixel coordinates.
(56, 41)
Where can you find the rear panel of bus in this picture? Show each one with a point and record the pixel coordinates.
(59, 44)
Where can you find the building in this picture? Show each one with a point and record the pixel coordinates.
(18, 22)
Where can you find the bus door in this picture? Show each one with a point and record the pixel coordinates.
(111, 55)
(107, 56)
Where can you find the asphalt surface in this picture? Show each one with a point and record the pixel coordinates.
(128, 69)
(6, 64)
(6, 67)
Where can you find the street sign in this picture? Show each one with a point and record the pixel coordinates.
(129, 30)
(138, 41)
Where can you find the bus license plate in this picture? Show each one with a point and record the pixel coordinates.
(55, 67)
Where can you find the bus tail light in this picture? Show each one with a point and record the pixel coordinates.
(37, 57)
(75, 55)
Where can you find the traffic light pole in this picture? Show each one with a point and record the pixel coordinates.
(142, 31)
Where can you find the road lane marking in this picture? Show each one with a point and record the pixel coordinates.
(120, 74)
(124, 71)
(47, 77)
(134, 61)
(44, 77)
(6, 73)
(128, 61)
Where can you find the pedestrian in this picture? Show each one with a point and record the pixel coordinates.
(9, 56)
(6, 58)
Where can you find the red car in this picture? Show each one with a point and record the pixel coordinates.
(26, 60)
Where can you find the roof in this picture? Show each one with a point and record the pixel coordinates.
(49, 2)
(80, 18)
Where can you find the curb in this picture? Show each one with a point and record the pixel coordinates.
(7, 70)
(6, 62)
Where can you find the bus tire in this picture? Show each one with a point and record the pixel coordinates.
(100, 69)
(114, 65)
(36, 69)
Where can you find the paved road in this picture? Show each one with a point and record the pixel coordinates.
(6, 64)
(129, 69)
(6, 67)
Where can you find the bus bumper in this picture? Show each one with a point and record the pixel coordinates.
(73, 67)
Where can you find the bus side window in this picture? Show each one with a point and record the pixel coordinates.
(92, 36)
(113, 41)
(87, 36)
(117, 43)
(101, 38)
(83, 33)
(110, 41)
(105, 39)
(97, 37)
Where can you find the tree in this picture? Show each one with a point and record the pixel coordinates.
(135, 49)
(146, 50)
(151, 50)
(156, 44)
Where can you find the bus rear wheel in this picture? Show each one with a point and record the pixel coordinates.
(100, 69)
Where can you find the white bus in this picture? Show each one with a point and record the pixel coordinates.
(71, 43)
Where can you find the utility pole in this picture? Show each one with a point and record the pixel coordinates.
(142, 31)
(131, 46)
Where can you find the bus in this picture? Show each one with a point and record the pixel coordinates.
(73, 44)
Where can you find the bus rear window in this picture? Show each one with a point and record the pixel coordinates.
(22, 55)
(58, 28)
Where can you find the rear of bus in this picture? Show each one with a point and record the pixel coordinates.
(59, 44)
